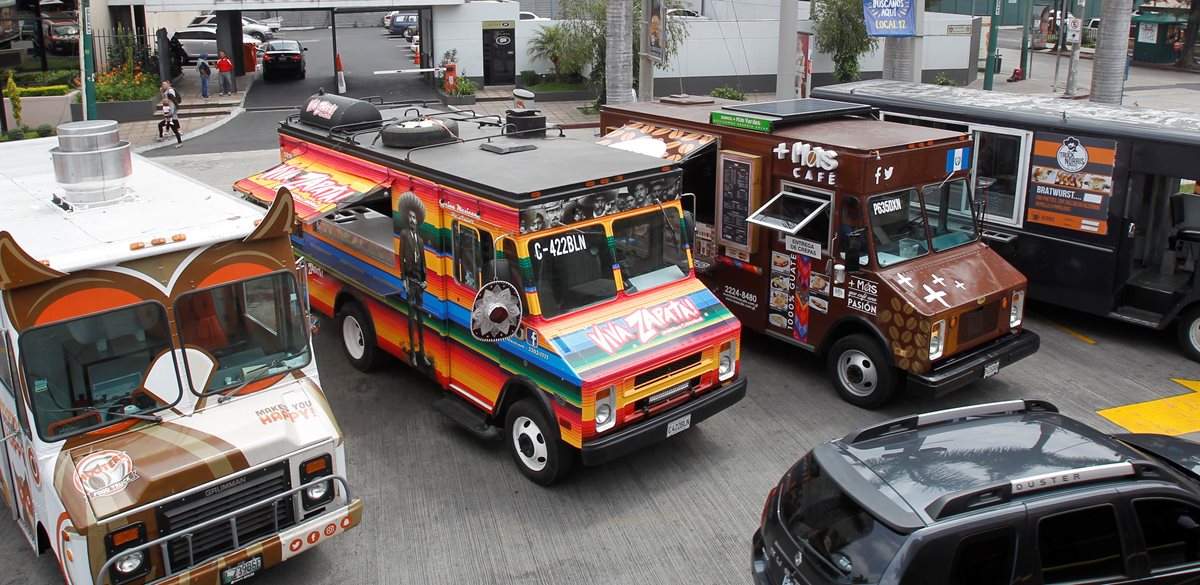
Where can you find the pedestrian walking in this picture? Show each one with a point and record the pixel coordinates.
(166, 92)
(170, 120)
(225, 70)
(204, 70)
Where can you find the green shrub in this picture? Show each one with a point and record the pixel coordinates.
(45, 130)
(530, 78)
(728, 93)
(43, 78)
(43, 90)
(464, 87)
(15, 134)
(943, 79)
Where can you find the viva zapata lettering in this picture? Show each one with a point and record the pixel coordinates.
(644, 325)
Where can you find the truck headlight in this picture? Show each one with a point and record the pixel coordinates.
(321, 493)
(606, 409)
(727, 362)
(130, 563)
(937, 339)
(1016, 312)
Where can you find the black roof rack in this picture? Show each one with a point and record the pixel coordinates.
(1004, 491)
(916, 421)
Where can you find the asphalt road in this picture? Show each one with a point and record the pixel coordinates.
(443, 507)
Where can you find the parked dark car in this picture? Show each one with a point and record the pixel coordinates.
(61, 36)
(403, 24)
(283, 57)
(1001, 493)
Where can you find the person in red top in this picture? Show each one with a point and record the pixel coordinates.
(225, 69)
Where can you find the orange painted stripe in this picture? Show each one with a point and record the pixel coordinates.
(1104, 156)
(93, 300)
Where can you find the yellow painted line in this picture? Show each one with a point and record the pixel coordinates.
(1177, 415)
(1071, 332)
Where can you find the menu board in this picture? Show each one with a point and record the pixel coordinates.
(737, 180)
(1071, 182)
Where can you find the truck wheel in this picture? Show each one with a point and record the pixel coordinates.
(1189, 333)
(358, 337)
(535, 445)
(860, 373)
(413, 132)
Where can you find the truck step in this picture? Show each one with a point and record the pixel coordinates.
(1137, 317)
(471, 418)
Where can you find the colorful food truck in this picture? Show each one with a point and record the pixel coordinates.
(1096, 204)
(159, 407)
(842, 235)
(545, 283)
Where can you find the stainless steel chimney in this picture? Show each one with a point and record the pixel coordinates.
(91, 162)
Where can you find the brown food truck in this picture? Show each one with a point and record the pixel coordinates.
(843, 235)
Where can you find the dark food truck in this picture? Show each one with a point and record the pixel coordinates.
(842, 235)
(1095, 204)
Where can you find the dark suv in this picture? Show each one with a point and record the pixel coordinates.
(1002, 493)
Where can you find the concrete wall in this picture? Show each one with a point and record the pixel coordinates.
(461, 27)
(35, 111)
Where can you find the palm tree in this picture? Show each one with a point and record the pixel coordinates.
(1108, 69)
(618, 65)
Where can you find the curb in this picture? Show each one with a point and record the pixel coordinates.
(199, 132)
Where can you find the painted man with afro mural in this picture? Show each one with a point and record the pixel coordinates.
(410, 215)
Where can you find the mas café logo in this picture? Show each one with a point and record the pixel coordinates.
(104, 473)
(1072, 156)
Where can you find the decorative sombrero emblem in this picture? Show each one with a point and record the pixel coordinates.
(496, 312)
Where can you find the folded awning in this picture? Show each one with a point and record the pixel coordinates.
(320, 184)
(659, 141)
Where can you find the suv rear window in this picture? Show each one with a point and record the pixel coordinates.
(818, 514)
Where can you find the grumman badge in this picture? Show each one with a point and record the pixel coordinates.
(496, 312)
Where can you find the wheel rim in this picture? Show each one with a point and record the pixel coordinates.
(352, 338)
(857, 373)
(529, 443)
(1194, 334)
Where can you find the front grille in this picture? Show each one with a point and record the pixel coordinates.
(177, 516)
(975, 324)
(666, 370)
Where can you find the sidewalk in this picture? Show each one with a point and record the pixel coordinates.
(196, 115)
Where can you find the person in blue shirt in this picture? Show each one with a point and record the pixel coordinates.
(204, 69)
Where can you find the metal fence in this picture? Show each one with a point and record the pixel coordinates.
(118, 47)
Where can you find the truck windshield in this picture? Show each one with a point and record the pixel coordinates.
(245, 330)
(572, 269)
(949, 207)
(650, 249)
(90, 372)
(898, 227)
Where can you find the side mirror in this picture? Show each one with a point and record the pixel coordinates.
(303, 48)
(498, 269)
(689, 228)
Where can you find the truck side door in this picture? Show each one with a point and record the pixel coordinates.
(471, 247)
(16, 455)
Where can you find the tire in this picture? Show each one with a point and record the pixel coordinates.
(358, 337)
(535, 445)
(860, 372)
(262, 38)
(405, 134)
(1188, 332)
(301, 74)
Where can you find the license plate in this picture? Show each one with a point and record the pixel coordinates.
(991, 369)
(242, 570)
(679, 425)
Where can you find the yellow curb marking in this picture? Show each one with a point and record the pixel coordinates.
(1176, 415)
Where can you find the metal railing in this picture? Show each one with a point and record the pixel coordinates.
(228, 517)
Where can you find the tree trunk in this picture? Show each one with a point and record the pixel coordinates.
(898, 58)
(618, 65)
(1187, 57)
(1108, 68)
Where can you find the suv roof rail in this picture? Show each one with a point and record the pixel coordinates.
(916, 421)
(1004, 491)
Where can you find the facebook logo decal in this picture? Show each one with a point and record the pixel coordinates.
(958, 159)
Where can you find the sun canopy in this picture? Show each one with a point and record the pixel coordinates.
(319, 184)
(658, 141)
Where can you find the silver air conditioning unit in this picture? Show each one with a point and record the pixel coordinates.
(91, 163)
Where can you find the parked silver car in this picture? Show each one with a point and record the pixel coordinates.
(203, 39)
(250, 27)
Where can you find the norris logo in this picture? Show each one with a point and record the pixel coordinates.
(319, 187)
(287, 412)
(104, 473)
(644, 325)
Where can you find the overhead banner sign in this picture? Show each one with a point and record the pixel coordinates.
(1071, 182)
(890, 18)
(655, 17)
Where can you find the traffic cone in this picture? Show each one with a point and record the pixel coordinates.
(417, 58)
(341, 77)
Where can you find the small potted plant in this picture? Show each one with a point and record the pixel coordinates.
(463, 93)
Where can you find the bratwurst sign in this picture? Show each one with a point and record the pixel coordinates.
(1071, 182)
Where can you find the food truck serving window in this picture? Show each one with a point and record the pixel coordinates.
(788, 212)
(898, 227)
(572, 269)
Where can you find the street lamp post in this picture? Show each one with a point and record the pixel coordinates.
(993, 41)
(86, 65)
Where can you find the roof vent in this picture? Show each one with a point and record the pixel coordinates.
(506, 146)
(526, 123)
(91, 163)
(327, 110)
